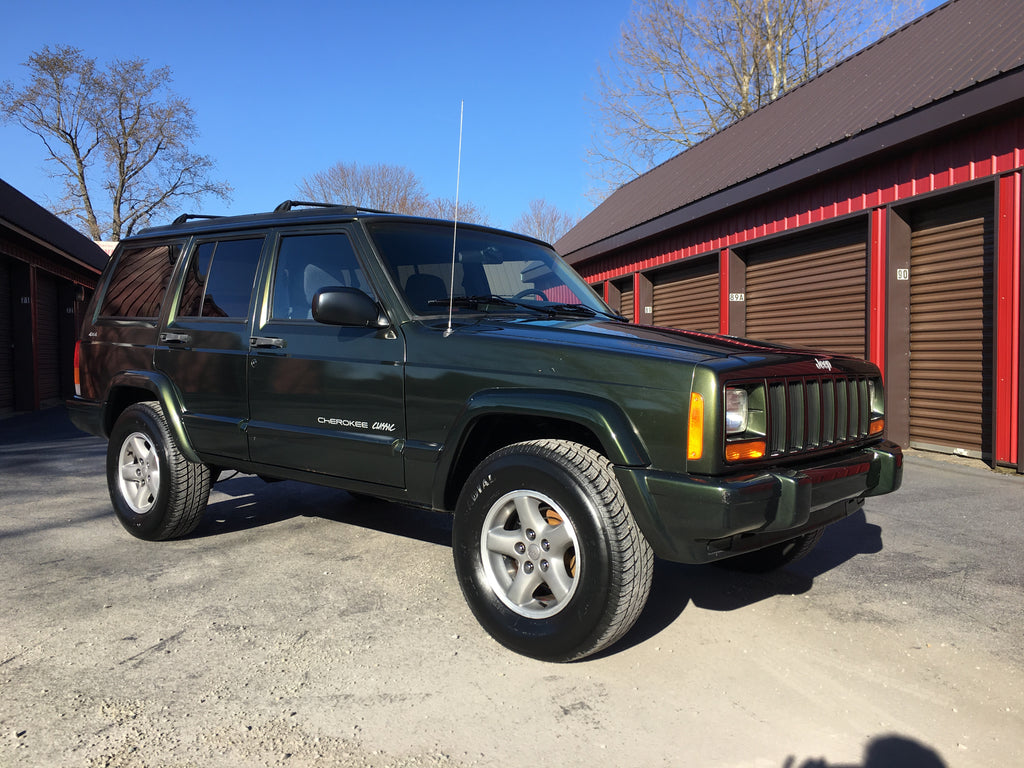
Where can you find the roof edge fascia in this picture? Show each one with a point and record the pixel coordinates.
(938, 116)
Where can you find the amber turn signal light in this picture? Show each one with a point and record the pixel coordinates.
(751, 449)
(695, 436)
(877, 427)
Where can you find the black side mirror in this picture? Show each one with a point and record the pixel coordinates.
(335, 305)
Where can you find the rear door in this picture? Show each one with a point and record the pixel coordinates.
(204, 347)
(323, 398)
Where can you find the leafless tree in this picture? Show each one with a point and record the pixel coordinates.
(380, 186)
(685, 69)
(444, 208)
(383, 187)
(544, 221)
(118, 130)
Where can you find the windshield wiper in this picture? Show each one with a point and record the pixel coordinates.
(551, 310)
(476, 302)
(584, 310)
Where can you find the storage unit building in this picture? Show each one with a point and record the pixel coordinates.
(46, 267)
(875, 211)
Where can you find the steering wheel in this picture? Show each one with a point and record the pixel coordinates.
(530, 292)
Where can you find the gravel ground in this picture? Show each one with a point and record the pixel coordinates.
(301, 627)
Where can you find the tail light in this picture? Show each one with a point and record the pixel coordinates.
(78, 373)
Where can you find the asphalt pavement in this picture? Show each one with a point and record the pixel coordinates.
(299, 626)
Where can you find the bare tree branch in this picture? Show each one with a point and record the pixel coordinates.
(123, 125)
(685, 69)
(544, 221)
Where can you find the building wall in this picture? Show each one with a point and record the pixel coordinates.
(846, 258)
(39, 320)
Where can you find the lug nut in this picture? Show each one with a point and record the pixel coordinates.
(528, 567)
(544, 565)
(520, 548)
(545, 545)
(531, 534)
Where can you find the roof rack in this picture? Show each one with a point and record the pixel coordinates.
(189, 216)
(288, 205)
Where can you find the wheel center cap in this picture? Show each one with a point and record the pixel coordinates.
(533, 551)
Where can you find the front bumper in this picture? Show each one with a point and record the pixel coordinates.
(699, 519)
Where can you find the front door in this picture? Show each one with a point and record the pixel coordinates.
(323, 398)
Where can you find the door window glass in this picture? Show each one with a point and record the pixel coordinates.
(219, 279)
(308, 263)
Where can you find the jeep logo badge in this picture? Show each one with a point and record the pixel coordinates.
(823, 365)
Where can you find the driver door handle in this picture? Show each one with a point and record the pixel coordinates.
(175, 338)
(267, 342)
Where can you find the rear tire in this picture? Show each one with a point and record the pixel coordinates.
(548, 556)
(156, 492)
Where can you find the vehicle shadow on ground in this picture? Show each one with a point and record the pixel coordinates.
(253, 503)
(246, 502)
(716, 588)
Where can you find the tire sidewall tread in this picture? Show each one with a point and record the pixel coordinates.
(184, 485)
(617, 562)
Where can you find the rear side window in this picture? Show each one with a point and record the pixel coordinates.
(139, 282)
(219, 277)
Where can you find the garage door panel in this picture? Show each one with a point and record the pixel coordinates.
(687, 298)
(6, 337)
(815, 298)
(951, 328)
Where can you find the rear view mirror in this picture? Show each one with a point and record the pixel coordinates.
(336, 305)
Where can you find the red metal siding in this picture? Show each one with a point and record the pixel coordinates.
(990, 151)
(1008, 316)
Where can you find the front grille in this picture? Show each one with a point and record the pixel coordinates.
(809, 413)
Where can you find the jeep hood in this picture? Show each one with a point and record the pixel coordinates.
(609, 336)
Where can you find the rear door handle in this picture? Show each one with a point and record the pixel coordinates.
(267, 342)
(175, 338)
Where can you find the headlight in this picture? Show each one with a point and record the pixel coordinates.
(736, 411)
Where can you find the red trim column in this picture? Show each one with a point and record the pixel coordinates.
(877, 266)
(723, 291)
(1008, 320)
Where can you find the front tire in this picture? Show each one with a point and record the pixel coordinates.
(548, 556)
(156, 492)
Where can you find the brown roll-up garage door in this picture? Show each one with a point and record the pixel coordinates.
(48, 335)
(951, 257)
(811, 293)
(6, 339)
(687, 298)
(626, 302)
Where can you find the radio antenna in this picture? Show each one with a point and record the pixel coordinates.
(455, 227)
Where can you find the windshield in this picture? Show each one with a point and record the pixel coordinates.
(493, 272)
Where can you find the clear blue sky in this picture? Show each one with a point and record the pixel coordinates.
(283, 90)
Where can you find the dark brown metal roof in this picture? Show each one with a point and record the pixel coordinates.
(20, 214)
(959, 47)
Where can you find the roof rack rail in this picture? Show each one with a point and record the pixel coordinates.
(287, 205)
(189, 216)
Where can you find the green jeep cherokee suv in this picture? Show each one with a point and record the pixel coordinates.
(468, 371)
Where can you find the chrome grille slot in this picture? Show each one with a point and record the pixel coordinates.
(777, 418)
(796, 407)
